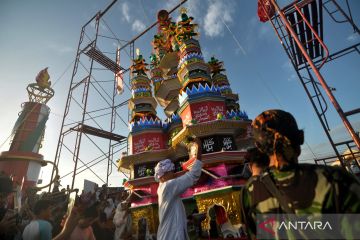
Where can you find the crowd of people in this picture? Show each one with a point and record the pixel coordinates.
(279, 185)
(90, 216)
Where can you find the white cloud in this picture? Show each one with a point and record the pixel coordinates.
(287, 65)
(353, 37)
(138, 26)
(115, 44)
(218, 14)
(125, 9)
(101, 25)
(292, 77)
(59, 49)
(205, 53)
(289, 69)
(340, 133)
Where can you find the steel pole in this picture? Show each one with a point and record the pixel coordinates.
(322, 81)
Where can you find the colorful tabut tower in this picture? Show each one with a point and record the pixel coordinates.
(221, 81)
(164, 63)
(146, 131)
(23, 160)
(146, 136)
(206, 108)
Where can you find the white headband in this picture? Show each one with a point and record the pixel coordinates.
(162, 167)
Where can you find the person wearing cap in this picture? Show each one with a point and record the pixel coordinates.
(172, 216)
(288, 187)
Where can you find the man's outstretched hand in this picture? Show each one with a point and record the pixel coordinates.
(194, 149)
(199, 148)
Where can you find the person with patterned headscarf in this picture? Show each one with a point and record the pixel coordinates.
(172, 216)
(288, 187)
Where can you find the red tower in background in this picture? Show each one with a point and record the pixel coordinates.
(23, 162)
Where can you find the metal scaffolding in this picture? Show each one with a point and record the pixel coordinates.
(93, 115)
(299, 27)
(94, 112)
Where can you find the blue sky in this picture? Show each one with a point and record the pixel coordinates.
(38, 34)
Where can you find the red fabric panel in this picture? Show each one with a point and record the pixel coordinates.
(221, 217)
(265, 10)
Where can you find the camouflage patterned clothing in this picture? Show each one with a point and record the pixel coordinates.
(309, 188)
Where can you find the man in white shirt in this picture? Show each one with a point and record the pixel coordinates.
(122, 221)
(172, 216)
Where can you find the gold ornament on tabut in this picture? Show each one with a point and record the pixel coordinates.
(41, 91)
(216, 66)
(183, 10)
(150, 213)
(229, 201)
(160, 41)
(185, 29)
(163, 19)
(139, 64)
(42, 79)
